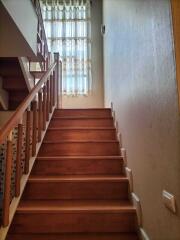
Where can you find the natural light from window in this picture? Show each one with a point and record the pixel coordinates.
(68, 30)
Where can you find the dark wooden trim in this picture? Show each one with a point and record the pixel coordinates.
(175, 7)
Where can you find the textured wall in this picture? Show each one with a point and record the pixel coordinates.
(96, 99)
(140, 80)
(175, 6)
(12, 41)
(24, 16)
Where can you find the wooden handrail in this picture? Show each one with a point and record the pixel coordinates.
(33, 115)
(11, 123)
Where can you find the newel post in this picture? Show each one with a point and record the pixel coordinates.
(58, 78)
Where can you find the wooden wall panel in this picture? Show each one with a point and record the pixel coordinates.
(175, 4)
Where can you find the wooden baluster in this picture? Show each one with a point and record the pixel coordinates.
(18, 159)
(60, 85)
(34, 130)
(39, 116)
(57, 78)
(47, 110)
(51, 93)
(54, 88)
(28, 140)
(7, 182)
(44, 107)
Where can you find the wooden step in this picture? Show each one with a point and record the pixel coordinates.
(77, 190)
(74, 217)
(78, 165)
(81, 122)
(79, 148)
(76, 187)
(96, 112)
(73, 134)
(75, 236)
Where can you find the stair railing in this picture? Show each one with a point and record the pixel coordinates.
(30, 120)
(42, 46)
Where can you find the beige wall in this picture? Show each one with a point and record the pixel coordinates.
(96, 99)
(24, 16)
(140, 81)
(17, 40)
(4, 117)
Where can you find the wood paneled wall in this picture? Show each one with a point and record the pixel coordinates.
(175, 4)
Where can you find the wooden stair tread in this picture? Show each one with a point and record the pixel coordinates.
(80, 157)
(80, 128)
(81, 118)
(83, 109)
(75, 236)
(81, 141)
(80, 178)
(78, 165)
(77, 189)
(76, 206)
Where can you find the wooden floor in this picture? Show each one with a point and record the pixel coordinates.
(77, 189)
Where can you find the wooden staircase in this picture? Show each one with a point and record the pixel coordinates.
(77, 189)
(13, 81)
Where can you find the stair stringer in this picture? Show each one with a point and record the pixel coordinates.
(24, 63)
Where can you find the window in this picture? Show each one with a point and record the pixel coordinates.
(68, 29)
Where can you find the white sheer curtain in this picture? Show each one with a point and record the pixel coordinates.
(68, 29)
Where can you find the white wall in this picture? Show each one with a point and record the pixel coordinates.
(24, 16)
(140, 80)
(96, 98)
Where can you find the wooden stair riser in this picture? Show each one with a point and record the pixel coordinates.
(10, 70)
(75, 236)
(70, 122)
(83, 113)
(14, 83)
(61, 190)
(16, 97)
(77, 166)
(74, 222)
(79, 149)
(80, 134)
